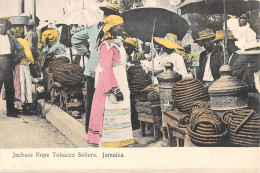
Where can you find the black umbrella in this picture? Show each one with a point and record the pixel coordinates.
(208, 7)
(139, 23)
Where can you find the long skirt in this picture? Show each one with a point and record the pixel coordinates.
(26, 83)
(17, 87)
(22, 85)
(117, 127)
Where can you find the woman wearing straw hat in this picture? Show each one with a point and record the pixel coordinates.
(11, 53)
(176, 55)
(110, 118)
(167, 55)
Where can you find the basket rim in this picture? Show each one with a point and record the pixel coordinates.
(208, 136)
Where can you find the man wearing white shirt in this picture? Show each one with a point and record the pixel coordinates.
(167, 55)
(11, 53)
(210, 60)
(242, 31)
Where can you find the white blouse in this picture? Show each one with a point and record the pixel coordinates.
(5, 47)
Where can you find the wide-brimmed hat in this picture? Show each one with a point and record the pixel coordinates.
(231, 16)
(220, 36)
(167, 43)
(111, 6)
(205, 34)
(253, 48)
(174, 38)
(7, 21)
(250, 52)
(131, 41)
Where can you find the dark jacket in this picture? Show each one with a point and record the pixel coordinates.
(238, 65)
(32, 37)
(215, 63)
(17, 49)
(249, 79)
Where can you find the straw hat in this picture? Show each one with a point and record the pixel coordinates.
(231, 16)
(131, 41)
(6, 21)
(205, 34)
(167, 43)
(172, 37)
(255, 50)
(52, 34)
(111, 6)
(220, 36)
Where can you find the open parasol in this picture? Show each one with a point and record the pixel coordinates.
(83, 16)
(139, 23)
(144, 23)
(209, 7)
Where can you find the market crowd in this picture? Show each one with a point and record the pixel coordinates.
(110, 53)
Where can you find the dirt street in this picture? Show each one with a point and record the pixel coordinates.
(29, 131)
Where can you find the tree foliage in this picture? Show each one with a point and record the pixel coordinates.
(128, 4)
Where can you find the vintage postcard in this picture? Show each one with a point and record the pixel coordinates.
(130, 86)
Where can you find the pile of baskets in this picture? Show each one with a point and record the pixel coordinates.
(244, 127)
(57, 61)
(66, 72)
(199, 104)
(137, 78)
(187, 91)
(185, 118)
(206, 128)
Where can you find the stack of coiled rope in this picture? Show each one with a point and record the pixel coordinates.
(185, 118)
(66, 72)
(206, 128)
(137, 78)
(153, 97)
(199, 104)
(187, 91)
(244, 127)
(57, 61)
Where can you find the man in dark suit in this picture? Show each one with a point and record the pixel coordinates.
(210, 59)
(11, 53)
(236, 61)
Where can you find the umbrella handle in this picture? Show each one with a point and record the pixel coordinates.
(225, 34)
(152, 47)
